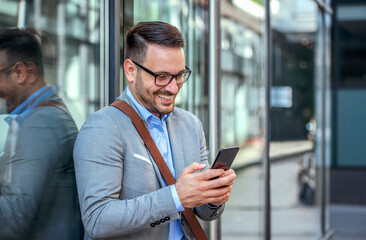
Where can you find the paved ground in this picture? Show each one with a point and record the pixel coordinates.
(243, 215)
(348, 222)
(291, 220)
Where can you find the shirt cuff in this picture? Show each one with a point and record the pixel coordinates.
(178, 204)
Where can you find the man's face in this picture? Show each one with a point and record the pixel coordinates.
(159, 59)
(8, 89)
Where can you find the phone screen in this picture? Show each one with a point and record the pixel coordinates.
(225, 158)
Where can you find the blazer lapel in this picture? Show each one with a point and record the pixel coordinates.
(176, 143)
(125, 98)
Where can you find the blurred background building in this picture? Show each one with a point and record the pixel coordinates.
(301, 167)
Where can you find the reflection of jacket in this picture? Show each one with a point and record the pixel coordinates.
(119, 184)
(38, 198)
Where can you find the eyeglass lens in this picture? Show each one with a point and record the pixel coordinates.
(165, 79)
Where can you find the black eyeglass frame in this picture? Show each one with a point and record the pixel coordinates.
(9, 68)
(155, 75)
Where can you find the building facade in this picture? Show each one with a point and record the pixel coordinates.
(269, 76)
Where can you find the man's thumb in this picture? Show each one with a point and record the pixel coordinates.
(193, 167)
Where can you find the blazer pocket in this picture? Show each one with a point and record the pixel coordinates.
(142, 158)
(139, 161)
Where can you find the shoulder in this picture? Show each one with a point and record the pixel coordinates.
(48, 116)
(108, 123)
(184, 114)
(49, 127)
(186, 118)
(106, 117)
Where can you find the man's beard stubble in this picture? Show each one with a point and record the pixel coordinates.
(150, 105)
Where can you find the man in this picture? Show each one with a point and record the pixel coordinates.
(121, 191)
(38, 197)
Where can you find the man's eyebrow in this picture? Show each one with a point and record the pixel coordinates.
(171, 73)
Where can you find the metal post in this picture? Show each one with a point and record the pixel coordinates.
(267, 138)
(104, 53)
(190, 46)
(214, 94)
(114, 49)
(323, 138)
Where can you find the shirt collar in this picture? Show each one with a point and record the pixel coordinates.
(23, 109)
(31, 101)
(145, 114)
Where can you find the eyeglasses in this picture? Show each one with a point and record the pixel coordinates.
(7, 69)
(163, 79)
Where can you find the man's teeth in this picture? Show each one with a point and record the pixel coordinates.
(165, 97)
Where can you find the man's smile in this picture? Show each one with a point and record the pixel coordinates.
(165, 96)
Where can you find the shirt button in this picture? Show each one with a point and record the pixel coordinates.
(152, 224)
(157, 222)
(167, 218)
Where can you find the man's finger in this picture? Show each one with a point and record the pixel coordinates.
(192, 168)
(228, 172)
(211, 173)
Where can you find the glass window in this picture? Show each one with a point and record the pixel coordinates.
(295, 183)
(9, 18)
(37, 178)
(349, 83)
(70, 32)
(242, 114)
(349, 39)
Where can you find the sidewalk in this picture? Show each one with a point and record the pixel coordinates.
(291, 220)
(348, 222)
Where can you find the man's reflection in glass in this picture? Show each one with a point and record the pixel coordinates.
(38, 197)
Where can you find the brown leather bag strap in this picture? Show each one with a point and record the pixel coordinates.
(164, 170)
(145, 135)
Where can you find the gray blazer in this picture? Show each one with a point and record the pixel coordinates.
(120, 186)
(38, 197)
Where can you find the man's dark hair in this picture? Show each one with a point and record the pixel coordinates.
(144, 33)
(22, 45)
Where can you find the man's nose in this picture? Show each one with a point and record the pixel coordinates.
(172, 87)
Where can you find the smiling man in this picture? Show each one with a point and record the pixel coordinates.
(121, 190)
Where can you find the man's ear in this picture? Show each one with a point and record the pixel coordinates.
(130, 70)
(20, 73)
(32, 72)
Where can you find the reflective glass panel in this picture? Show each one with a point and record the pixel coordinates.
(242, 114)
(295, 169)
(38, 198)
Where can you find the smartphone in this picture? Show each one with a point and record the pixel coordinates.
(225, 158)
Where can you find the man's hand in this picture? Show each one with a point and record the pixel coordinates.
(195, 189)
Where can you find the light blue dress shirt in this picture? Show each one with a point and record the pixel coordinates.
(22, 111)
(159, 133)
(17, 116)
